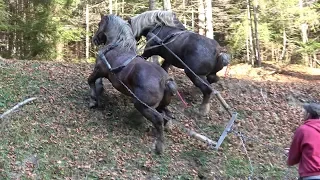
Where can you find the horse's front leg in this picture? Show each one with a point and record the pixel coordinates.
(205, 89)
(96, 87)
(165, 65)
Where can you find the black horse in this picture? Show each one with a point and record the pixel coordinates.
(149, 84)
(204, 56)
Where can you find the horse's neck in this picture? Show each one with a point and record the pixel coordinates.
(165, 31)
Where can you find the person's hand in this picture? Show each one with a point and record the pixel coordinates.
(286, 151)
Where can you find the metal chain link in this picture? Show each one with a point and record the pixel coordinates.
(244, 138)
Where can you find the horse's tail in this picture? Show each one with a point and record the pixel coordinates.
(171, 86)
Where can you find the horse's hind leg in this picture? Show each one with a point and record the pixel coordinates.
(206, 91)
(96, 87)
(162, 108)
(157, 121)
(212, 78)
(99, 86)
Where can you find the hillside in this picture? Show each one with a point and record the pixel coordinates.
(59, 137)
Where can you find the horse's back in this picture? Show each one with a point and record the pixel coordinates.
(148, 79)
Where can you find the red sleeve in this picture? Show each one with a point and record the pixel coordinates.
(295, 148)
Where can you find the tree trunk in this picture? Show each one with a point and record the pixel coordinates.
(152, 4)
(258, 58)
(247, 47)
(87, 32)
(166, 5)
(272, 51)
(110, 6)
(116, 6)
(284, 44)
(192, 19)
(184, 15)
(202, 18)
(122, 7)
(209, 28)
(250, 31)
(304, 34)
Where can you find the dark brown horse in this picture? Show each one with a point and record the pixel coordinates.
(148, 84)
(202, 55)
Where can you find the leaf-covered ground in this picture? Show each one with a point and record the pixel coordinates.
(59, 137)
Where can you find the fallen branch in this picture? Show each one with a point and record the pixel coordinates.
(200, 137)
(263, 96)
(17, 106)
(194, 134)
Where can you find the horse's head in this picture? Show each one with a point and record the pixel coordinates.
(100, 36)
(113, 29)
(141, 24)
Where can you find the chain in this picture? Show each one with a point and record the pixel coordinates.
(244, 139)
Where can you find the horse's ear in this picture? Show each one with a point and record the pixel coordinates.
(102, 14)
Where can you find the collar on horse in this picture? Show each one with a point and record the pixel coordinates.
(164, 40)
(107, 48)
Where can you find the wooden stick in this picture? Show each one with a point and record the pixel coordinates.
(194, 134)
(201, 138)
(17, 106)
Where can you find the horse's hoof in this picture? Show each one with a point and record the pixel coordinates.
(168, 126)
(204, 109)
(93, 104)
(159, 147)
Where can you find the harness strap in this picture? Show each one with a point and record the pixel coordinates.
(104, 59)
(161, 41)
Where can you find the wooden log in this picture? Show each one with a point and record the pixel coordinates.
(16, 107)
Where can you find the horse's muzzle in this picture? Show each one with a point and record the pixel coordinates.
(95, 41)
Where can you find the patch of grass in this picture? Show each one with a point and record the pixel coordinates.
(269, 171)
(162, 168)
(199, 157)
(236, 167)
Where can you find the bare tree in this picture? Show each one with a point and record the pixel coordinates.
(257, 47)
(166, 5)
(250, 44)
(201, 17)
(87, 32)
(152, 4)
(304, 34)
(209, 27)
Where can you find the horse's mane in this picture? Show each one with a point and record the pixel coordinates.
(122, 32)
(151, 18)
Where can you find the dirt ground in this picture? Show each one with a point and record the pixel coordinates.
(59, 137)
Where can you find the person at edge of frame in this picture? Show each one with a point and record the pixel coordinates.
(305, 146)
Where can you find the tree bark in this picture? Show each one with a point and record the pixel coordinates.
(258, 58)
(209, 27)
(202, 18)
